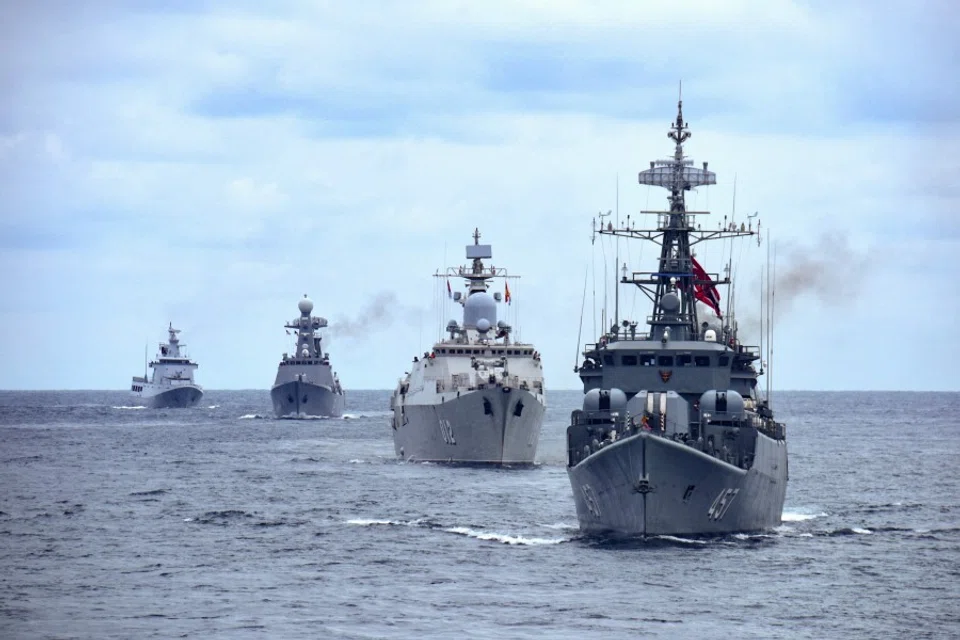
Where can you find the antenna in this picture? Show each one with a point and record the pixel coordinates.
(145, 359)
(616, 285)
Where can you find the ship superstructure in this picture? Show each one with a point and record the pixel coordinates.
(675, 436)
(171, 383)
(476, 396)
(306, 385)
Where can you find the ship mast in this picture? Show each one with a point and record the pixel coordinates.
(676, 233)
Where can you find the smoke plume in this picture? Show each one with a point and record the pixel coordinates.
(378, 314)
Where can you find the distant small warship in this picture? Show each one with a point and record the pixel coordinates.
(306, 385)
(171, 384)
(476, 397)
(674, 436)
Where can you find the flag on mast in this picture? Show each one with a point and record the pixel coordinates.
(705, 291)
(449, 290)
(506, 292)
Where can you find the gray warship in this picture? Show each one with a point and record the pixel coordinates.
(172, 384)
(477, 396)
(675, 436)
(306, 386)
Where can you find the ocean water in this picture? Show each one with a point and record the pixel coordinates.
(222, 522)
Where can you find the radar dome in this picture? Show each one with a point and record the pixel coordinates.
(305, 305)
(483, 325)
(479, 305)
(670, 302)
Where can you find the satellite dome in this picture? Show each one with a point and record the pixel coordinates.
(483, 325)
(479, 305)
(670, 302)
(305, 305)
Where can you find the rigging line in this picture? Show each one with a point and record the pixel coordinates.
(576, 356)
(593, 272)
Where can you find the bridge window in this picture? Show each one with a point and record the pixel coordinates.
(684, 360)
(608, 360)
(665, 361)
(701, 361)
(724, 361)
(647, 359)
(629, 361)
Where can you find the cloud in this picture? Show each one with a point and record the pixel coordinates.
(208, 163)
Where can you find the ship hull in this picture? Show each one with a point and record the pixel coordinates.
(649, 485)
(180, 397)
(461, 430)
(298, 399)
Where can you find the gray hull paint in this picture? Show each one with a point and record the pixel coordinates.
(459, 430)
(301, 399)
(179, 398)
(613, 499)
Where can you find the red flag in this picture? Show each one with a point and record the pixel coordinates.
(706, 293)
(506, 294)
(449, 290)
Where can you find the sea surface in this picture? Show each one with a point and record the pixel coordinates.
(222, 522)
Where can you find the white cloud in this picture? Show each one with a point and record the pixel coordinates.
(210, 167)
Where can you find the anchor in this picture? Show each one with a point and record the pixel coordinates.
(643, 485)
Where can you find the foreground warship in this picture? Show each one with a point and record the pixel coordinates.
(171, 384)
(306, 385)
(674, 436)
(477, 397)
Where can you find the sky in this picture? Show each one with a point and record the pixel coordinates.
(208, 163)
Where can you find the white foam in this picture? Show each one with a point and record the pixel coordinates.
(370, 522)
(188, 519)
(251, 416)
(860, 530)
(800, 517)
(503, 538)
(365, 522)
(682, 540)
(357, 461)
(214, 406)
(137, 407)
(561, 526)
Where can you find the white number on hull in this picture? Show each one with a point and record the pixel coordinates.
(722, 502)
(446, 431)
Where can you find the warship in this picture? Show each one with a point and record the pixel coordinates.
(306, 385)
(675, 436)
(171, 384)
(477, 396)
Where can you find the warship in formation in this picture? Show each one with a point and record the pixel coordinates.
(306, 386)
(172, 384)
(477, 396)
(675, 436)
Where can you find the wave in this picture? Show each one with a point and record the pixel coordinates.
(214, 406)
(681, 540)
(800, 517)
(365, 522)
(367, 414)
(504, 538)
(252, 416)
(488, 536)
(125, 407)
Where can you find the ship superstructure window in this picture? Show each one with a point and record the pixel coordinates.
(701, 361)
(647, 359)
(629, 361)
(724, 361)
(684, 360)
(608, 359)
(665, 361)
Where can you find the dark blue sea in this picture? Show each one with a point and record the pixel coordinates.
(222, 522)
